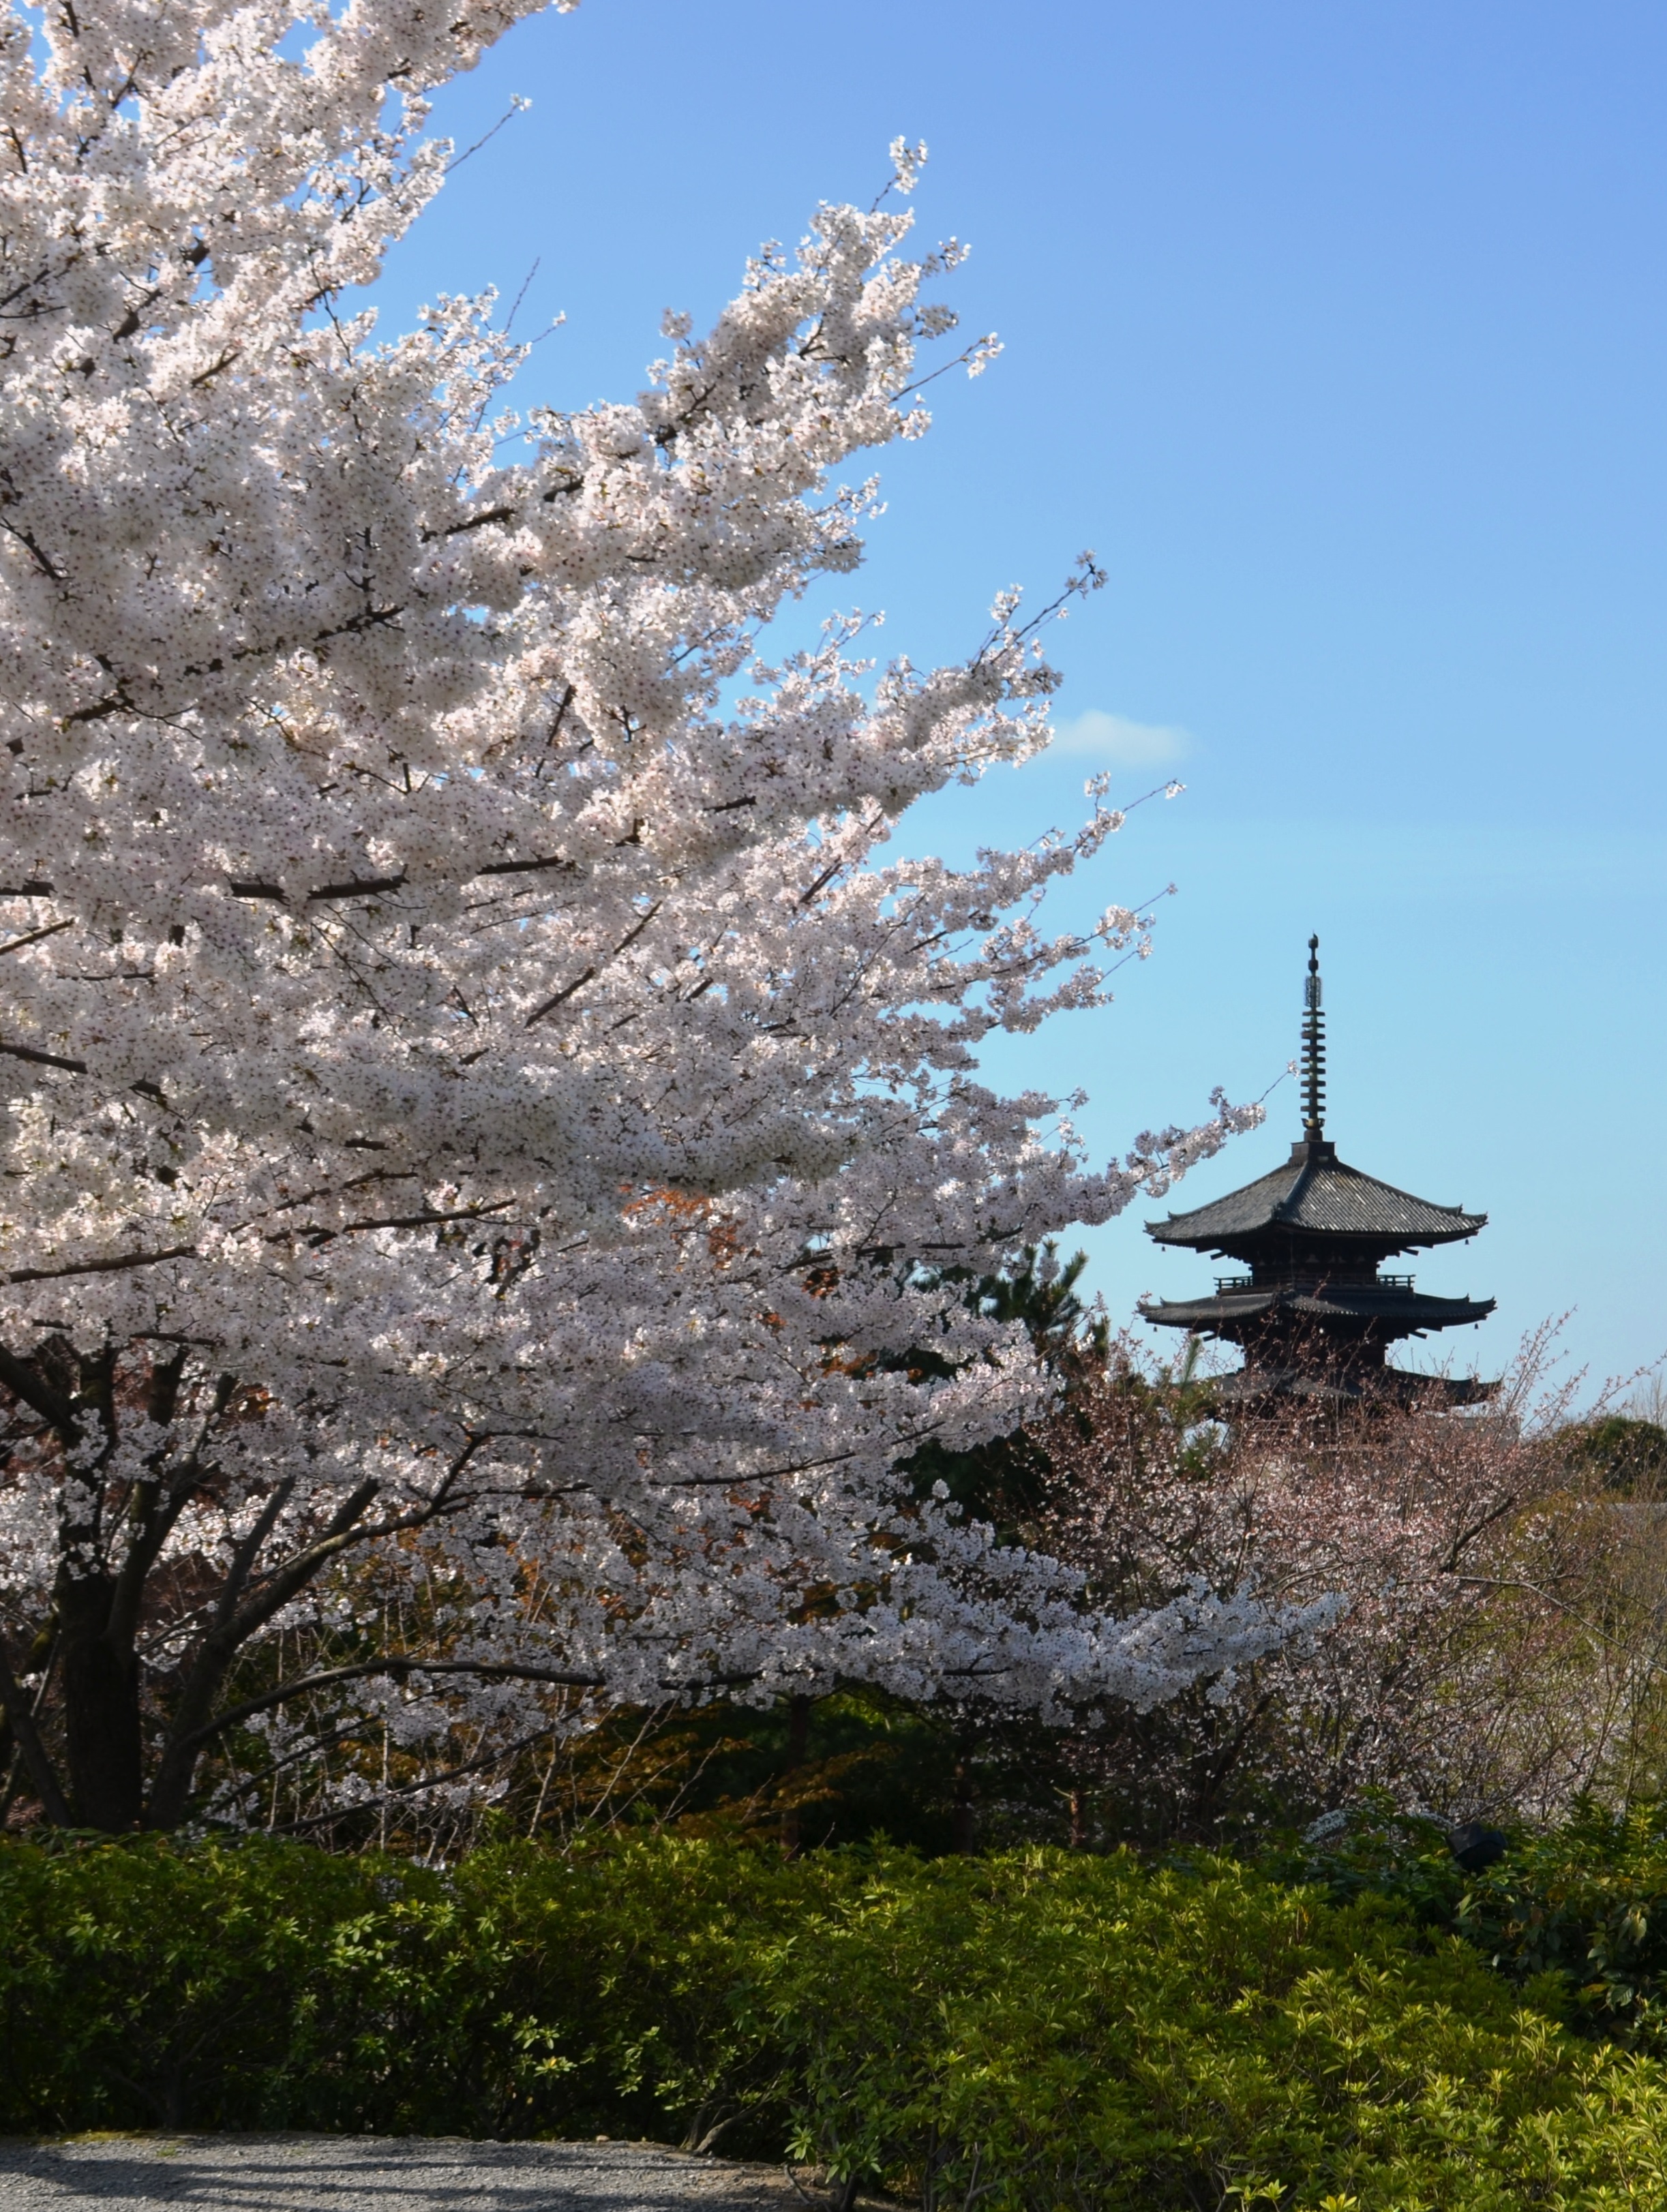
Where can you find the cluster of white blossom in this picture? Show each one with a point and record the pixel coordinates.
(481, 1104)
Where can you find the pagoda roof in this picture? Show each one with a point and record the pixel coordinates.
(1396, 1308)
(1314, 1193)
(1252, 1389)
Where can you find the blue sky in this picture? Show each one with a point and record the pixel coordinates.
(1338, 332)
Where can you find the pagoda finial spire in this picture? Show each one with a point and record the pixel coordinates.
(1313, 1051)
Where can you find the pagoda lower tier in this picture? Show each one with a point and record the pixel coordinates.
(1353, 1315)
(1263, 1387)
(1321, 1341)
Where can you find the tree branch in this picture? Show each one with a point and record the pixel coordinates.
(102, 1266)
(21, 1715)
(319, 1235)
(568, 989)
(34, 936)
(489, 1670)
(42, 1058)
(21, 1379)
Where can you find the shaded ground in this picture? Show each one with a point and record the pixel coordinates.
(364, 2173)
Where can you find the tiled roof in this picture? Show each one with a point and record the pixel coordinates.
(1384, 1303)
(1252, 1386)
(1315, 1193)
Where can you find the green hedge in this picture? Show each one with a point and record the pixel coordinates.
(1023, 2033)
(256, 1985)
(1580, 1910)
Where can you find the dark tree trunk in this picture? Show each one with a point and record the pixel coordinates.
(100, 1690)
(963, 1814)
(799, 1740)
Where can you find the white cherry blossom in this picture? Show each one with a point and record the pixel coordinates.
(490, 1121)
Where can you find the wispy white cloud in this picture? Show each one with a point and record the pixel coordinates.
(1115, 742)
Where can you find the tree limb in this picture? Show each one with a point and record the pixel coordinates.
(490, 1670)
(102, 1266)
(21, 1715)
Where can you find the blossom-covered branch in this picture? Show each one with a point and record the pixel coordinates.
(484, 1104)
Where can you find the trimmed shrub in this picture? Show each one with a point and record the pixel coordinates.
(1027, 2032)
(1579, 1910)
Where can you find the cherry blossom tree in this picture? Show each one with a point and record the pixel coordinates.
(1482, 1659)
(488, 1122)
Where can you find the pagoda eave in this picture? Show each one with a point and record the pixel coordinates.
(1261, 1388)
(1314, 1194)
(1234, 1239)
(1339, 1249)
(1381, 1311)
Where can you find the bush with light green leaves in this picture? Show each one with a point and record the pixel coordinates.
(1579, 1910)
(1039, 2031)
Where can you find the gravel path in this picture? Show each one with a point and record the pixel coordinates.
(366, 2174)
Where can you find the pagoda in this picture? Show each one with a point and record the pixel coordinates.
(1315, 1314)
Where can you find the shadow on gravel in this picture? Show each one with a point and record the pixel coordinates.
(341, 2173)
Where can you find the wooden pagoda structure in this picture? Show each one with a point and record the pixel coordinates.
(1315, 1315)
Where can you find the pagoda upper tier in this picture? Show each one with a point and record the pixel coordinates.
(1315, 1314)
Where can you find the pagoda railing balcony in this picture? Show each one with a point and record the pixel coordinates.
(1226, 1284)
